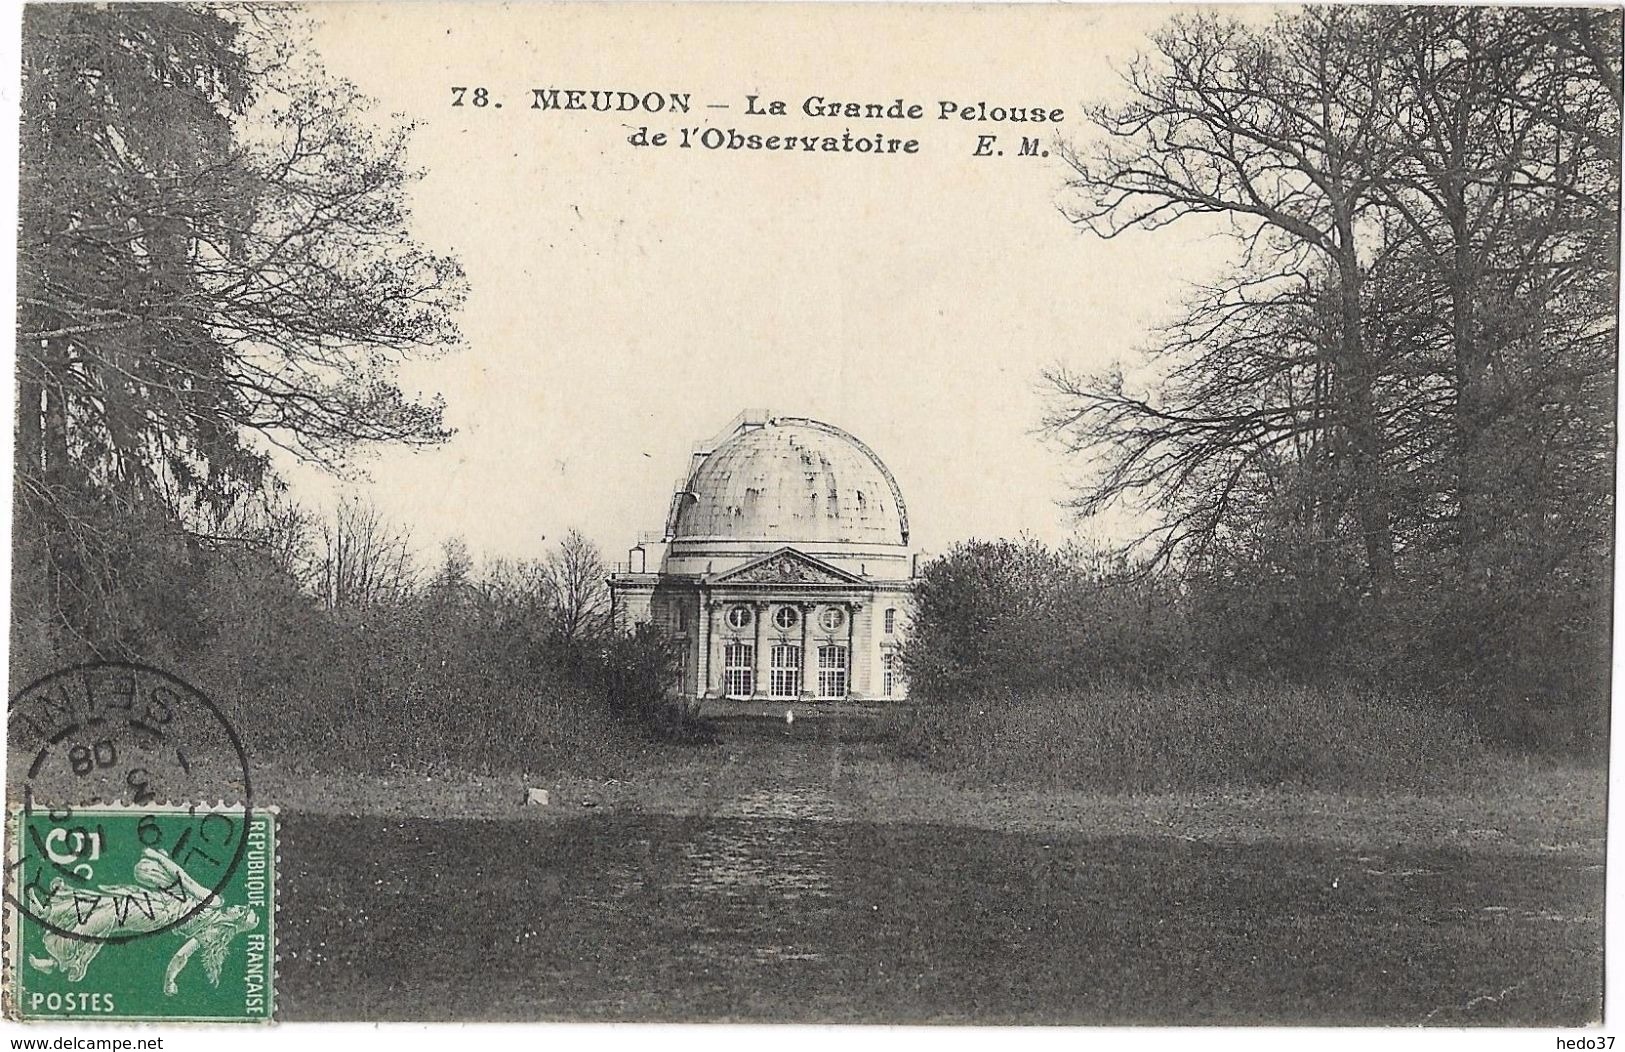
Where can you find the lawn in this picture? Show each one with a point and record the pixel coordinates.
(803, 874)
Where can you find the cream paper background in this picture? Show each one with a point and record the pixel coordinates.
(626, 303)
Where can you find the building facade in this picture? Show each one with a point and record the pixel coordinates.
(784, 572)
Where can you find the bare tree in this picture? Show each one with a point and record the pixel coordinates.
(577, 583)
(1274, 132)
(1504, 126)
(519, 584)
(365, 562)
(1419, 329)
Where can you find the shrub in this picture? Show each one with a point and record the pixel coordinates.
(1135, 738)
(1526, 659)
(1018, 614)
(462, 674)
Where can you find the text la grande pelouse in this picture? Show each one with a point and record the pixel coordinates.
(899, 109)
(974, 113)
(674, 102)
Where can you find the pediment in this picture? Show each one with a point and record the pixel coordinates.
(788, 566)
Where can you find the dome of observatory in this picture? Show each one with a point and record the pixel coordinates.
(796, 481)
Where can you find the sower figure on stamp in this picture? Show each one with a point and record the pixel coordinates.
(162, 894)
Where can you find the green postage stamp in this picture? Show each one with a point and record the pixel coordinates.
(158, 913)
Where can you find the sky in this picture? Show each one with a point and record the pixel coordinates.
(626, 303)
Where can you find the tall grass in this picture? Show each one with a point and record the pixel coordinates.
(1194, 735)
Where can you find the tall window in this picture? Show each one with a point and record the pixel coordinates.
(786, 671)
(891, 621)
(888, 677)
(682, 669)
(738, 675)
(832, 672)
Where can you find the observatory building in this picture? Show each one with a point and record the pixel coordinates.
(784, 571)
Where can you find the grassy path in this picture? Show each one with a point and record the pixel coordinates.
(780, 876)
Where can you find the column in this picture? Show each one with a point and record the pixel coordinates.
(761, 683)
(702, 672)
(809, 661)
(851, 650)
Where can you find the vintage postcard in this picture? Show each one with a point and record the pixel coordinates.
(1097, 515)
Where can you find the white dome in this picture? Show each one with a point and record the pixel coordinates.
(791, 480)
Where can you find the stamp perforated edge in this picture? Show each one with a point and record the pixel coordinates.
(11, 929)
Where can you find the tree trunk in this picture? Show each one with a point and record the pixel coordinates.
(1470, 376)
(30, 428)
(1366, 440)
